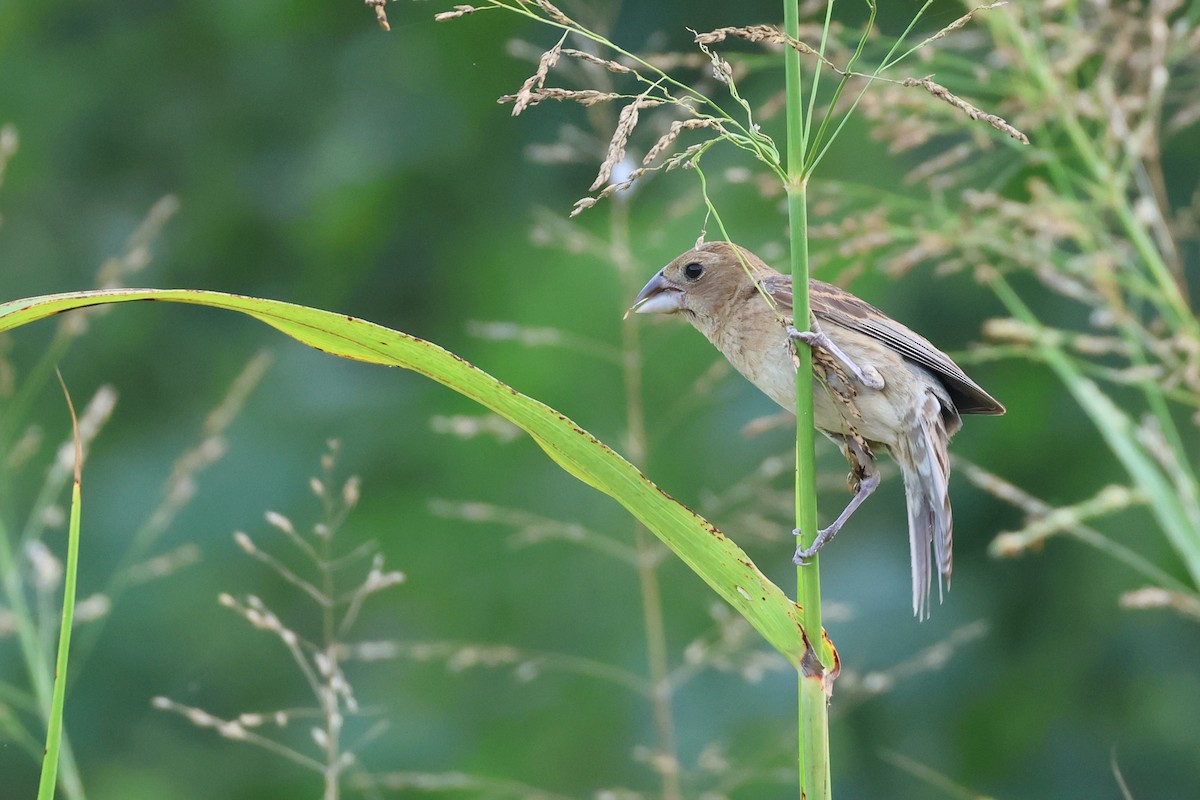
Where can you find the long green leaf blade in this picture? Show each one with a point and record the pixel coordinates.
(717, 560)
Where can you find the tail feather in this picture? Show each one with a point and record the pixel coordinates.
(925, 463)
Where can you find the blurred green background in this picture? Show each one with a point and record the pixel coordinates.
(319, 160)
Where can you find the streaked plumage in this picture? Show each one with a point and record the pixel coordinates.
(885, 386)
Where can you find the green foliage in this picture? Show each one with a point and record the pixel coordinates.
(54, 724)
(711, 555)
(545, 645)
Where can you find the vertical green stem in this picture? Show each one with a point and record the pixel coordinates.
(808, 577)
(54, 721)
(814, 713)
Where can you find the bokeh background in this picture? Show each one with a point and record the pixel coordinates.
(316, 159)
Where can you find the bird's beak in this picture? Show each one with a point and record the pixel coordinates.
(658, 296)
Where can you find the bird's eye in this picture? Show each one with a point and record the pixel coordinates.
(693, 271)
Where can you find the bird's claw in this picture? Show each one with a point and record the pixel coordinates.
(867, 375)
(804, 555)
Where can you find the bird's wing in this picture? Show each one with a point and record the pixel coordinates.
(838, 306)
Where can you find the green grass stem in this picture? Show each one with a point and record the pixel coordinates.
(54, 725)
(814, 674)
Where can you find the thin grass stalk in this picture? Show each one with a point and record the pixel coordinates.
(815, 781)
(1177, 513)
(889, 60)
(1108, 188)
(812, 145)
(54, 723)
(1118, 432)
(1185, 480)
(806, 139)
(664, 78)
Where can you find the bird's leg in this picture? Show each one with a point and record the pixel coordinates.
(866, 475)
(865, 488)
(867, 374)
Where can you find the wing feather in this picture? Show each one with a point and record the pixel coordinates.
(835, 305)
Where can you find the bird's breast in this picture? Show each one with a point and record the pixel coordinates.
(758, 347)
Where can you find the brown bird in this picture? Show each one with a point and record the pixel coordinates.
(877, 384)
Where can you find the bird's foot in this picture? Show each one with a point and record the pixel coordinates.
(804, 555)
(866, 374)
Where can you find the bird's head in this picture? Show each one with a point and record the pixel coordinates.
(702, 282)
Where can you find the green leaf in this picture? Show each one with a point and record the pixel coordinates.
(54, 725)
(707, 551)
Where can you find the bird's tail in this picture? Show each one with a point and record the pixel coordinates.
(923, 459)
